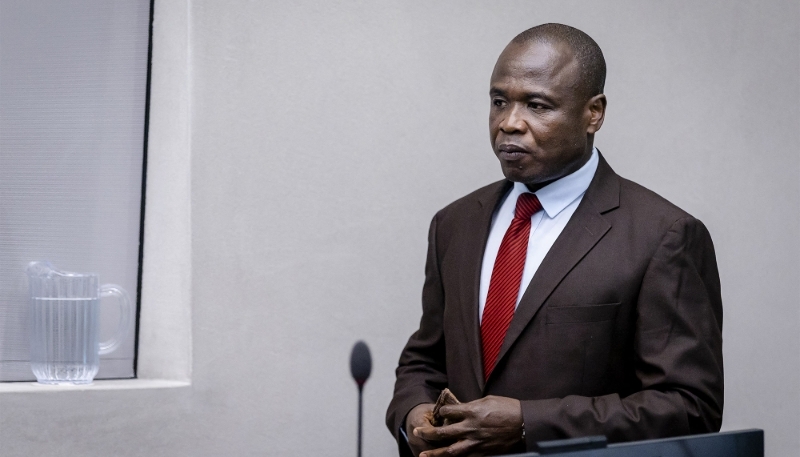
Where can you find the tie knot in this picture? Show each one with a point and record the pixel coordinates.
(527, 205)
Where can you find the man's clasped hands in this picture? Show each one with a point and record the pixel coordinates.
(490, 425)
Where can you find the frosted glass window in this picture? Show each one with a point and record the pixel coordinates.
(73, 80)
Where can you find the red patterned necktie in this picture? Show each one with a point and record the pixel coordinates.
(504, 285)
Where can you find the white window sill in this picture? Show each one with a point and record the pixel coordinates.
(112, 384)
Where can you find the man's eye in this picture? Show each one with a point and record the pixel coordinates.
(536, 106)
(498, 102)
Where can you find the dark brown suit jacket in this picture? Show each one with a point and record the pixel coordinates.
(619, 332)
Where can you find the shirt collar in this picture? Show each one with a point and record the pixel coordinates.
(560, 193)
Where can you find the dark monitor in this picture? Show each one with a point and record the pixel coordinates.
(743, 443)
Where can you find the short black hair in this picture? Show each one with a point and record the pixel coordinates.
(588, 53)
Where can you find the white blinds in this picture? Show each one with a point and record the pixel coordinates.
(72, 110)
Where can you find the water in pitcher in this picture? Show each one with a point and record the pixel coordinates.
(65, 345)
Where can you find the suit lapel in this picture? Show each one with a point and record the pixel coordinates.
(475, 244)
(584, 230)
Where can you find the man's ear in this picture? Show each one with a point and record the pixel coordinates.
(596, 110)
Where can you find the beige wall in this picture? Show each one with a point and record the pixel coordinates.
(303, 147)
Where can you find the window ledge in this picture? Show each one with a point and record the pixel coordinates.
(112, 384)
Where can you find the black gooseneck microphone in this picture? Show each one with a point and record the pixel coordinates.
(360, 368)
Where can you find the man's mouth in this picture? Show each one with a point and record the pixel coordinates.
(511, 152)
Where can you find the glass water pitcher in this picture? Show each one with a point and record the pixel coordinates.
(65, 315)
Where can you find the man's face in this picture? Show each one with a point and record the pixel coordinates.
(541, 123)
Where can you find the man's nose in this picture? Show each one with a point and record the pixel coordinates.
(514, 120)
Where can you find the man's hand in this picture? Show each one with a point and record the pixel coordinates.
(491, 425)
(420, 416)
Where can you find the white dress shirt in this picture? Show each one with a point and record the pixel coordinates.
(559, 201)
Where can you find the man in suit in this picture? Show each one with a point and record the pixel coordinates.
(563, 301)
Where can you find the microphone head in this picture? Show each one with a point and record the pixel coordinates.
(360, 363)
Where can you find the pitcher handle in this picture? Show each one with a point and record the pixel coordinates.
(123, 327)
